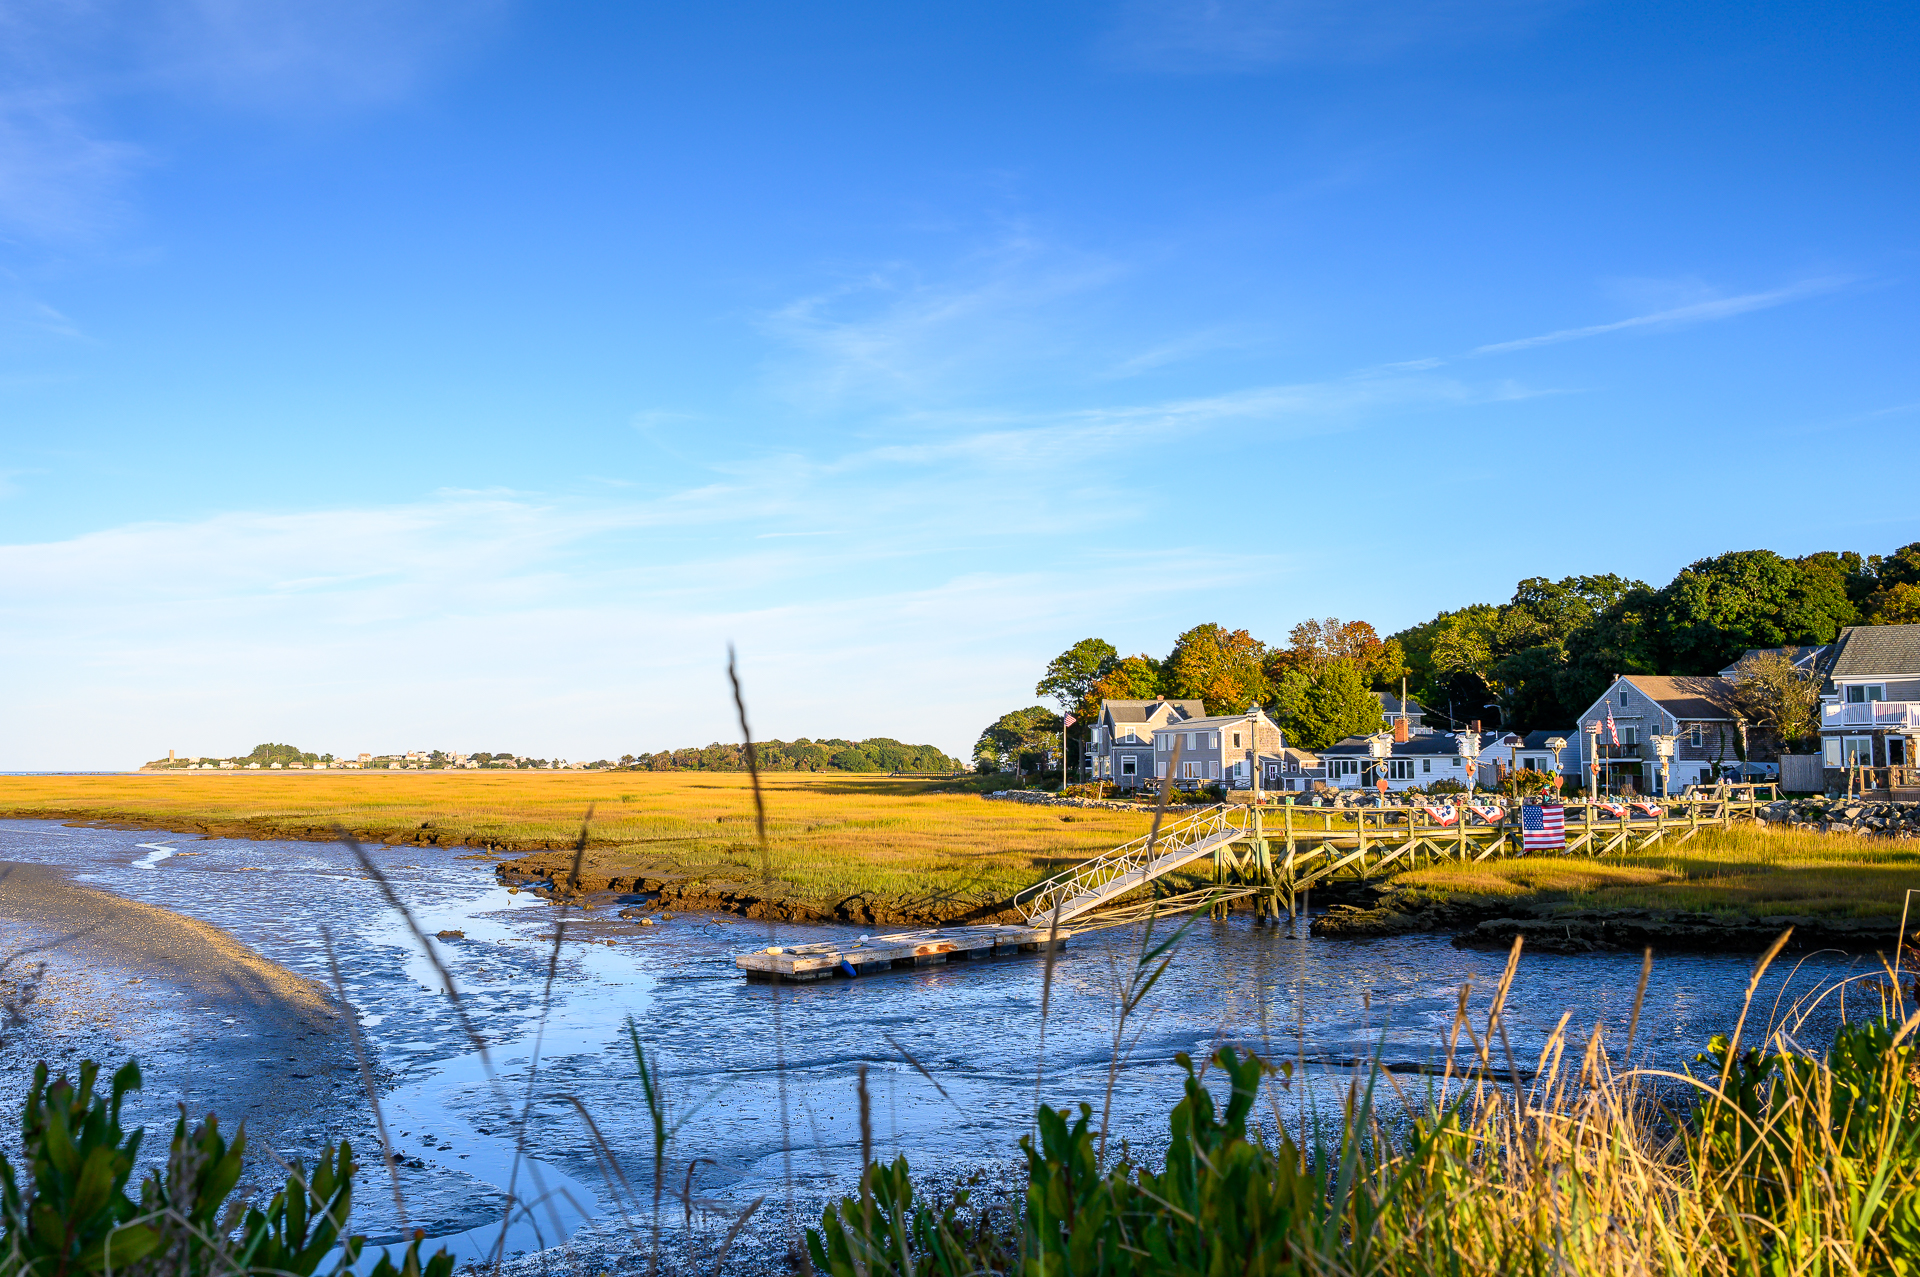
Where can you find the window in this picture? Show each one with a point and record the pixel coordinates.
(1695, 737)
(1236, 740)
(1857, 751)
(1216, 740)
(1426, 764)
(1213, 770)
(1623, 700)
(1189, 771)
(1456, 762)
(1346, 767)
(1629, 736)
(1861, 693)
(1830, 747)
(1240, 769)
(1193, 740)
(1399, 769)
(1129, 765)
(1159, 771)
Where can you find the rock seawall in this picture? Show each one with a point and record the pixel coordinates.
(1872, 818)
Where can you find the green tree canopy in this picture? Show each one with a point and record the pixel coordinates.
(1318, 707)
(1135, 678)
(1071, 676)
(1223, 668)
(1018, 741)
(1717, 608)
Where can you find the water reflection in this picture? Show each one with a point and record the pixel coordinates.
(730, 1048)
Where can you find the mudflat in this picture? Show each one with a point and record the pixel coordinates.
(213, 1025)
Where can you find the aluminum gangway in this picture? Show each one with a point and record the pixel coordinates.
(1067, 895)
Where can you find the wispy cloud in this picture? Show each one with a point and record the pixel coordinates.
(893, 332)
(65, 67)
(1701, 312)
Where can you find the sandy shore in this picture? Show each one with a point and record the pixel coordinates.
(213, 1025)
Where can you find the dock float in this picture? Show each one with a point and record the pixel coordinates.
(870, 955)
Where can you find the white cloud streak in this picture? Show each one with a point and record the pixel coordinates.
(1675, 317)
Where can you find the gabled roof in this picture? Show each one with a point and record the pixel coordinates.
(1390, 704)
(1875, 651)
(1804, 657)
(1413, 746)
(1141, 711)
(1217, 721)
(1690, 696)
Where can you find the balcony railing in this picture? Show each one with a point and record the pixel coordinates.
(1881, 714)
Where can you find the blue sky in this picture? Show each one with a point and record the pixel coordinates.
(399, 375)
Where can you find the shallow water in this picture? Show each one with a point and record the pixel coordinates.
(730, 1049)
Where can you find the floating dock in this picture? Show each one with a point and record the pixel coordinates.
(870, 955)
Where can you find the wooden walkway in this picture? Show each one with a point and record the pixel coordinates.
(1288, 850)
(1275, 854)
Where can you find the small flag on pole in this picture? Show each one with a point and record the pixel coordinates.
(1613, 732)
(1543, 828)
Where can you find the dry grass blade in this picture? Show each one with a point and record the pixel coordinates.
(779, 1027)
(399, 906)
(726, 1244)
(366, 1076)
(1753, 984)
(520, 1157)
(1639, 999)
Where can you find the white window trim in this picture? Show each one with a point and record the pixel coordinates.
(1129, 765)
(1864, 689)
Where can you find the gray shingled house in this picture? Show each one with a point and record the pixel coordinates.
(1122, 744)
(1870, 700)
(1222, 748)
(1695, 708)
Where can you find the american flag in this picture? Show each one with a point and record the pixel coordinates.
(1612, 731)
(1543, 828)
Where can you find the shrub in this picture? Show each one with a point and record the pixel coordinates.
(73, 1215)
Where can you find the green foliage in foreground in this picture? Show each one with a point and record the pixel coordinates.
(1799, 1164)
(73, 1214)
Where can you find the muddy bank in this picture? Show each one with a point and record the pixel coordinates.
(660, 885)
(213, 1025)
(1554, 925)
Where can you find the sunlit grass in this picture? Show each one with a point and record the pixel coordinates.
(831, 834)
(1754, 871)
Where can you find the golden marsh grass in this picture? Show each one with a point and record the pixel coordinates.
(834, 833)
(1749, 870)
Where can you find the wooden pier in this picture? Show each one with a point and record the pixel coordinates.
(1273, 854)
(870, 955)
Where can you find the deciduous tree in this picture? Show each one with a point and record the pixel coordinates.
(1318, 707)
(1782, 700)
(1071, 676)
(1221, 667)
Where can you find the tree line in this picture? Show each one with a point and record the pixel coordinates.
(1535, 661)
(877, 754)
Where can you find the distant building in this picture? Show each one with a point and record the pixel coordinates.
(1219, 748)
(1122, 746)
(1392, 708)
(1696, 709)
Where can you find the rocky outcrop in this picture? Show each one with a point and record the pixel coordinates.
(1041, 798)
(1874, 819)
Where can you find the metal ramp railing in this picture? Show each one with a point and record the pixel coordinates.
(1130, 865)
